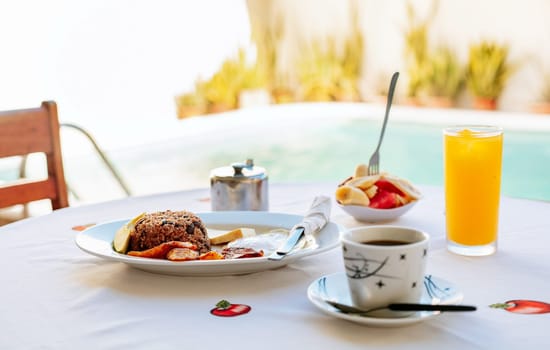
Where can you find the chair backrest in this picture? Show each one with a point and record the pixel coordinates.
(27, 131)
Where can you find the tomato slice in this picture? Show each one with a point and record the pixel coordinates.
(388, 186)
(384, 199)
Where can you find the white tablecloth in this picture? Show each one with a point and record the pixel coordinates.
(54, 296)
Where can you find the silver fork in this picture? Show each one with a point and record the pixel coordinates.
(375, 158)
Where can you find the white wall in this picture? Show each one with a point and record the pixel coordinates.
(114, 66)
(523, 24)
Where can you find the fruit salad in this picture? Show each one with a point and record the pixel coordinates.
(381, 191)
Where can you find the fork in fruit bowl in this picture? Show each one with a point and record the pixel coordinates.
(374, 161)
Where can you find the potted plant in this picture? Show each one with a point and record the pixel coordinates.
(318, 69)
(416, 51)
(328, 72)
(379, 94)
(190, 104)
(487, 73)
(542, 105)
(351, 61)
(443, 78)
(326, 75)
(267, 40)
(282, 90)
(222, 91)
(253, 86)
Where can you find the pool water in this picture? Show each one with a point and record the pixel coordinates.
(313, 148)
(330, 150)
(415, 151)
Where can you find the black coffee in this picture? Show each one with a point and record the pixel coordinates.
(385, 242)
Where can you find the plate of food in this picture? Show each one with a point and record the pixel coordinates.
(202, 244)
(376, 198)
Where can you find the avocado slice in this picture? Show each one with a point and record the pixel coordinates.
(122, 236)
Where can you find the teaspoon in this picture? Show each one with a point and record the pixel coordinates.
(401, 307)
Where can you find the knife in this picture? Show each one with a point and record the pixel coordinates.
(315, 219)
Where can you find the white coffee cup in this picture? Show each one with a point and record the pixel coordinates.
(384, 264)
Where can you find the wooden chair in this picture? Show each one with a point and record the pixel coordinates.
(27, 131)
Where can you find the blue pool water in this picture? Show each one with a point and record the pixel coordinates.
(330, 150)
(293, 147)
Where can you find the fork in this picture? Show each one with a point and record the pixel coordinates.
(374, 161)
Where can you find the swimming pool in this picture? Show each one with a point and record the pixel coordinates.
(317, 142)
(324, 143)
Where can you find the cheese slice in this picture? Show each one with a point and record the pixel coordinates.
(222, 237)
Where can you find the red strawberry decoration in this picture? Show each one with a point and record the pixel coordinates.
(523, 306)
(225, 309)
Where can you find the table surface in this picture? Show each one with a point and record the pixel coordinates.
(55, 296)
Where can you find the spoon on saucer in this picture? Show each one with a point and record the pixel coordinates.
(401, 307)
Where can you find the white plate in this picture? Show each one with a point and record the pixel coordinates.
(335, 287)
(367, 214)
(97, 240)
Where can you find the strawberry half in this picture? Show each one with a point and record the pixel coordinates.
(225, 309)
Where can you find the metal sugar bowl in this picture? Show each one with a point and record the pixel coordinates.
(241, 186)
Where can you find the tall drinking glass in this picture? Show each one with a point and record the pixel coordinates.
(473, 165)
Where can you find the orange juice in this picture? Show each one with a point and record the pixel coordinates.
(472, 161)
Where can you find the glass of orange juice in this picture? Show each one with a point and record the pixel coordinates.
(473, 165)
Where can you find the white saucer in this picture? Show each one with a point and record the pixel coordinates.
(335, 288)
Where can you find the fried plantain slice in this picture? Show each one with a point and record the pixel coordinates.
(161, 250)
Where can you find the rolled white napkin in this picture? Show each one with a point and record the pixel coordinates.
(317, 216)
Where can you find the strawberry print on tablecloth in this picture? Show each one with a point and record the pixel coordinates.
(226, 309)
(523, 306)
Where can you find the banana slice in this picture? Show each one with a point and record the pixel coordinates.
(404, 186)
(348, 195)
(364, 182)
(361, 170)
(371, 191)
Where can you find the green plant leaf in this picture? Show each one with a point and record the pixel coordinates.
(488, 69)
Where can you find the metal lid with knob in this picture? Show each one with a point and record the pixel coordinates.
(239, 171)
(240, 186)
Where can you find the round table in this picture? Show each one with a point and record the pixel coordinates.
(55, 296)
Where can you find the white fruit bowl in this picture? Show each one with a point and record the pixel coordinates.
(367, 214)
